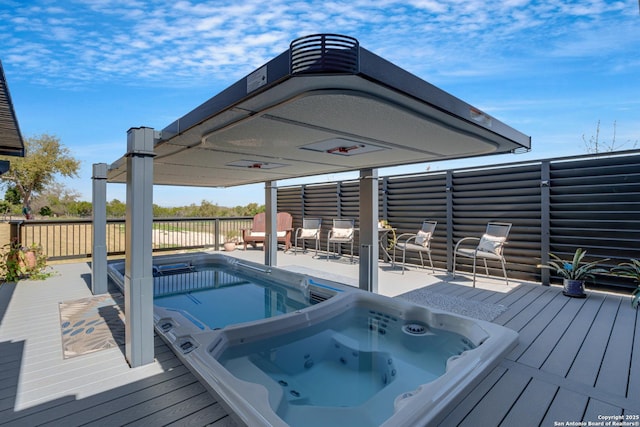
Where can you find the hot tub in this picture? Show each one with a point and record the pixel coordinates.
(340, 356)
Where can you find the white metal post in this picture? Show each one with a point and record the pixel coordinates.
(138, 264)
(271, 235)
(99, 230)
(368, 279)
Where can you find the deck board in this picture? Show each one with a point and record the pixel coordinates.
(596, 407)
(182, 409)
(561, 357)
(481, 295)
(618, 353)
(152, 405)
(576, 359)
(92, 407)
(494, 406)
(532, 404)
(531, 323)
(567, 405)
(587, 363)
(212, 413)
(457, 414)
(542, 344)
(522, 303)
(633, 388)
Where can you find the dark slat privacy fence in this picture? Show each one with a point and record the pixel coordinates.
(555, 205)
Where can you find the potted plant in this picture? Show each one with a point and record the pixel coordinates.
(18, 262)
(232, 239)
(574, 272)
(632, 271)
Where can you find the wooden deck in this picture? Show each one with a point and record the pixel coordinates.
(39, 387)
(577, 359)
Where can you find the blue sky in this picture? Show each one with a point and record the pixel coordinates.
(88, 70)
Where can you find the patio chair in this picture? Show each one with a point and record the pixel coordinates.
(343, 231)
(257, 232)
(490, 247)
(310, 230)
(416, 242)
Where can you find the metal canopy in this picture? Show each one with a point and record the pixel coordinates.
(324, 106)
(11, 143)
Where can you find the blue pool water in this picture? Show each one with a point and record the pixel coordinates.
(357, 359)
(214, 297)
(357, 363)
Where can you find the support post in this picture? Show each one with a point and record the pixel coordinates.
(450, 244)
(271, 235)
(99, 230)
(369, 250)
(138, 280)
(545, 219)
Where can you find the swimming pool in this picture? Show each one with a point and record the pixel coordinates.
(216, 305)
(204, 291)
(355, 359)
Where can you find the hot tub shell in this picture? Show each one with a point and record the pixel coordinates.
(249, 403)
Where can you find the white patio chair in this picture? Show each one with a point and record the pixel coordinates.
(310, 230)
(343, 231)
(490, 246)
(417, 242)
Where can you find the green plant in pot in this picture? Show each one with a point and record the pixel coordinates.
(632, 271)
(232, 239)
(574, 272)
(19, 262)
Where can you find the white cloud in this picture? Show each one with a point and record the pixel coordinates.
(103, 40)
(520, 60)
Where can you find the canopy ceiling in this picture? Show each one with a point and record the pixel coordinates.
(11, 143)
(324, 106)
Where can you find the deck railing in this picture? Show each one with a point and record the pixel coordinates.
(555, 205)
(72, 238)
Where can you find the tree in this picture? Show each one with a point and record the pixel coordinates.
(45, 157)
(116, 209)
(57, 197)
(5, 207)
(595, 145)
(12, 196)
(45, 211)
(81, 209)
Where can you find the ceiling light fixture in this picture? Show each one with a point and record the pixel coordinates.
(256, 164)
(344, 150)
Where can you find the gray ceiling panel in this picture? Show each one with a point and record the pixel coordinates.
(276, 124)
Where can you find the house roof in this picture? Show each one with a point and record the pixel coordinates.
(11, 143)
(326, 105)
